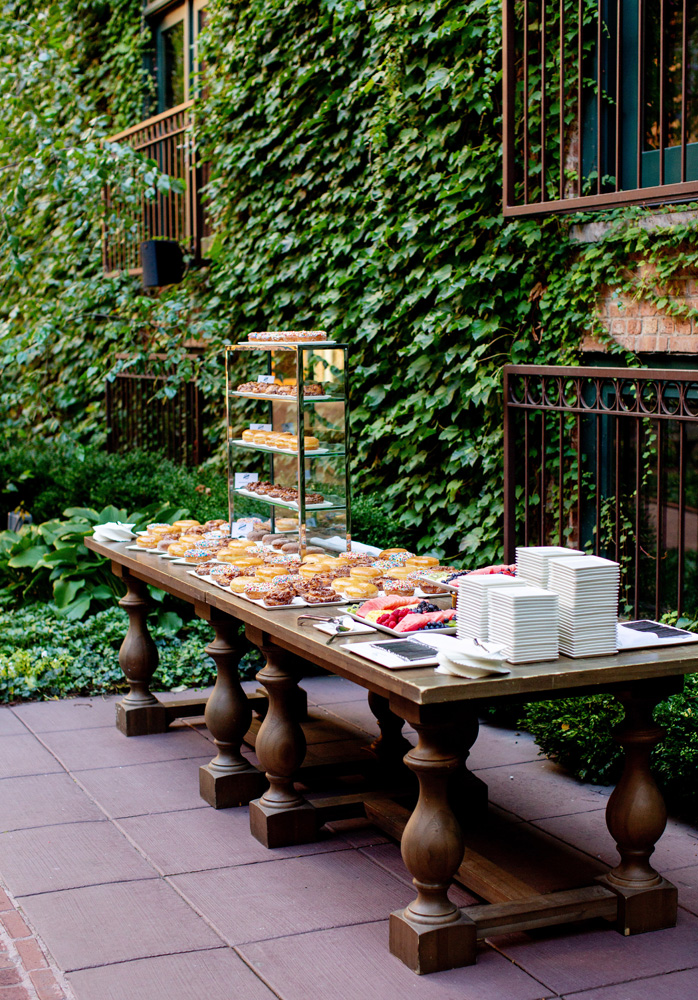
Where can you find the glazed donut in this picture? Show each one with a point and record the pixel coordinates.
(238, 584)
(147, 541)
(369, 573)
(422, 562)
(354, 590)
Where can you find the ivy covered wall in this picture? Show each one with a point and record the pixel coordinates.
(355, 154)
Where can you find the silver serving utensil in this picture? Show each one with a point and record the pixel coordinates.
(318, 618)
(343, 625)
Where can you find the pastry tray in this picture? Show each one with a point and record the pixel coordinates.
(287, 343)
(286, 398)
(297, 602)
(280, 451)
(289, 504)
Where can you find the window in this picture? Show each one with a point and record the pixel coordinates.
(175, 28)
(600, 103)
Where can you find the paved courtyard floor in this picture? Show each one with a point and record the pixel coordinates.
(121, 884)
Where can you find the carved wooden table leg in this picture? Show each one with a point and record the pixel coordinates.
(431, 934)
(468, 793)
(230, 779)
(391, 746)
(281, 816)
(139, 712)
(636, 817)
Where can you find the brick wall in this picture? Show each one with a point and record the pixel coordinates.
(638, 326)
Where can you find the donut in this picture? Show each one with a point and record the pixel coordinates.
(365, 573)
(244, 562)
(147, 541)
(354, 589)
(405, 588)
(204, 568)
(422, 562)
(178, 548)
(279, 596)
(164, 541)
(182, 525)
(397, 573)
(238, 584)
(266, 572)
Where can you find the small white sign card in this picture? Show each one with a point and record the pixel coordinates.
(260, 427)
(243, 478)
(269, 379)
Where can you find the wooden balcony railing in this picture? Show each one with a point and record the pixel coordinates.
(167, 139)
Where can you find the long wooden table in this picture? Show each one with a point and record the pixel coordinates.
(432, 933)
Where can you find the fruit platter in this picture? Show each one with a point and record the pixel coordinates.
(403, 615)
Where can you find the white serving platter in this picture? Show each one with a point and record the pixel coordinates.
(280, 451)
(284, 397)
(289, 504)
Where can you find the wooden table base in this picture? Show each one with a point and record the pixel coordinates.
(432, 932)
(229, 779)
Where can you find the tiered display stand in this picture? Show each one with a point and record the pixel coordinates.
(325, 416)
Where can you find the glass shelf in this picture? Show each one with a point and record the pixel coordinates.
(275, 398)
(335, 503)
(315, 453)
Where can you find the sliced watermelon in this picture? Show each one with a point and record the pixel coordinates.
(412, 623)
(488, 570)
(387, 603)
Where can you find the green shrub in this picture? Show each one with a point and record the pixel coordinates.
(43, 655)
(577, 733)
(47, 480)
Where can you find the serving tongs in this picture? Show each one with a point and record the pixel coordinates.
(341, 628)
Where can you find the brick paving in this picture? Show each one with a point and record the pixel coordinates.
(26, 971)
(119, 883)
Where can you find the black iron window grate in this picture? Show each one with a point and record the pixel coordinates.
(604, 460)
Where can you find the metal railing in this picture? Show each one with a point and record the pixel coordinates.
(166, 139)
(597, 108)
(135, 419)
(604, 460)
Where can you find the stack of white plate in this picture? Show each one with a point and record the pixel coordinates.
(532, 561)
(471, 608)
(588, 590)
(524, 620)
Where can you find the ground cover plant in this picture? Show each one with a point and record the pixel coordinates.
(44, 655)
